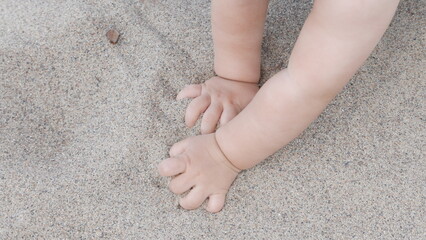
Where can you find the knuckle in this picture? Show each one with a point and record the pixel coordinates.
(186, 159)
(219, 95)
(206, 130)
(172, 150)
(232, 101)
(189, 203)
(164, 168)
(206, 121)
(172, 188)
(190, 116)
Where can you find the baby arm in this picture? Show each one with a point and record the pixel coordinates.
(336, 39)
(237, 28)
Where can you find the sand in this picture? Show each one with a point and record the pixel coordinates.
(83, 124)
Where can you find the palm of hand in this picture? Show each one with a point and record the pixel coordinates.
(219, 99)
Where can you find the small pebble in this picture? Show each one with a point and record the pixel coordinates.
(113, 36)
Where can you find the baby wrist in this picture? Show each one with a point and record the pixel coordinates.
(227, 162)
(239, 81)
(242, 77)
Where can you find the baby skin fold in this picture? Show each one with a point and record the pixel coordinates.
(335, 40)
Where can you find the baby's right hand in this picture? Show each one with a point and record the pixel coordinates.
(219, 99)
(199, 167)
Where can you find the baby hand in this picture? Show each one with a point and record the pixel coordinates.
(220, 100)
(198, 165)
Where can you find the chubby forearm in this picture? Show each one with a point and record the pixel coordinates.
(279, 112)
(331, 47)
(335, 40)
(237, 28)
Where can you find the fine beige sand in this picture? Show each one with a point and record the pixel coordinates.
(84, 123)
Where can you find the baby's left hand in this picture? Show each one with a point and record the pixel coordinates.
(198, 165)
(219, 99)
